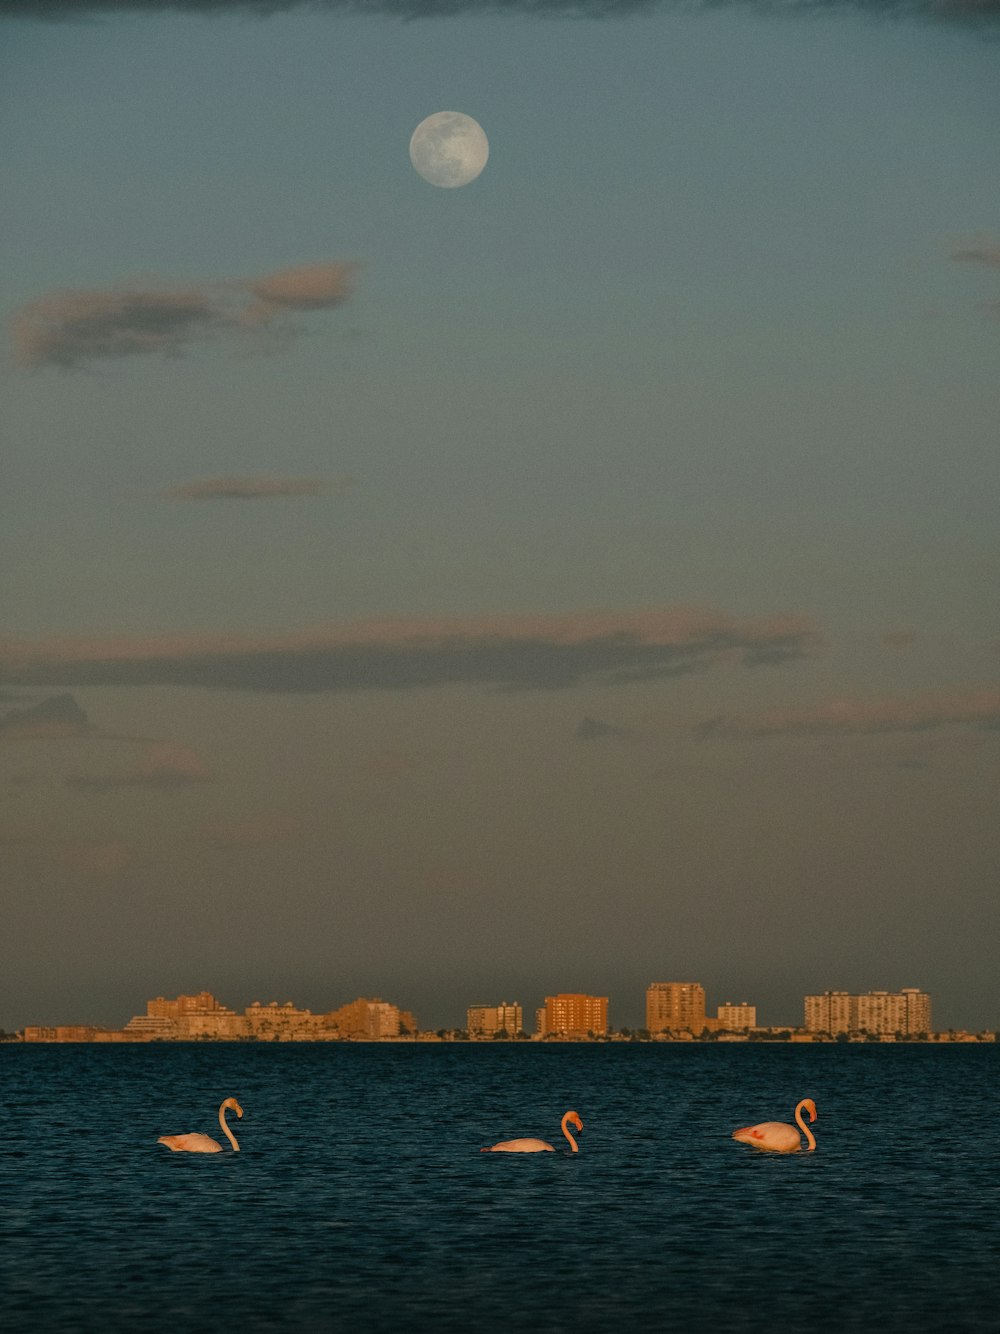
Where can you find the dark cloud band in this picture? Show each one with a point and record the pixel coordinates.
(502, 652)
(71, 328)
(954, 11)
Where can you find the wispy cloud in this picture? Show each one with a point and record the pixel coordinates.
(980, 252)
(70, 328)
(899, 639)
(915, 713)
(969, 11)
(58, 718)
(258, 487)
(592, 729)
(166, 766)
(107, 857)
(527, 652)
(252, 831)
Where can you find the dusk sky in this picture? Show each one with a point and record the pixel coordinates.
(584, 577)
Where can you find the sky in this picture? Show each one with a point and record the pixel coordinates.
(580, 578)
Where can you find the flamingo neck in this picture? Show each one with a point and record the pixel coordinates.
(565, 1131)
(810, 1138)
(225, 1129)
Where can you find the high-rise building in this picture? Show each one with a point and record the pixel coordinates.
(907, 1012)
(369, 1019)
(485, 1020)
(199, 1016)
(832, 1012)
(675, 1006)
(274, 1022)
(203, 1003)
(571, 1013)
(736, 1018)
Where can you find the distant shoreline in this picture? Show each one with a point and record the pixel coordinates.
(944, 1040)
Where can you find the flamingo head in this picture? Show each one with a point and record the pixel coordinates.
(234, 1106)
(574, 1119)
(810, 1108)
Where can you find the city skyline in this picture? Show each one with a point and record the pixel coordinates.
(676, 1010)
(584, 571)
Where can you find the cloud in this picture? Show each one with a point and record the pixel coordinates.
(70, 328)
(899, 639)
(968, 11)
(252, 831)
(592, 729)
(58, 718)
(916, 713)
(526, 652)
(260, 487)
(166, 765)
(983, 252)
(105, 858)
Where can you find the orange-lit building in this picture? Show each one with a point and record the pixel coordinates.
(203, 1003)
(282, 1023)
(370, 1019)
(485, 1020)
(676, 1007)
(736, 1018)
(575, 1015)
(185, 1018)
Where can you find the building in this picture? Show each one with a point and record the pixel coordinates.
(280, 1023)
(832, 1012)
(370, 1019)
(485, 1020)
(736, 1018)
(185, 1018)
(907, 1012)
(575, 1015)
(675, 1006)
(149, 1028)
(203, 1003)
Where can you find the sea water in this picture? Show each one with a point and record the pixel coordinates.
(359, 1200)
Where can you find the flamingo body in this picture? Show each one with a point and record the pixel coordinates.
(191, 1143)
(521, 1146)
(196, 1143)
(538, 1145)
(778, 1136)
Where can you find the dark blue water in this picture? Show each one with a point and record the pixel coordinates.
(359, 1200)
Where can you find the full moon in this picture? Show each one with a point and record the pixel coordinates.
(449, 149)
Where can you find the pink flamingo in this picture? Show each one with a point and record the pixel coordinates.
(205, 1143)
(777, 1136)
(538, 1145)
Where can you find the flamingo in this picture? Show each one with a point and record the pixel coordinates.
(205, 1143)
(538, 1145)
(777, 1136)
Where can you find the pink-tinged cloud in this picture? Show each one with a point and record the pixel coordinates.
(165, 765)
(307, 287)
(847, 717)
(260, 487)
(512, 652)
(252, 831)
(70, 328)
(105, 858)
(983, 252)
(58, 718)
(899, 639)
